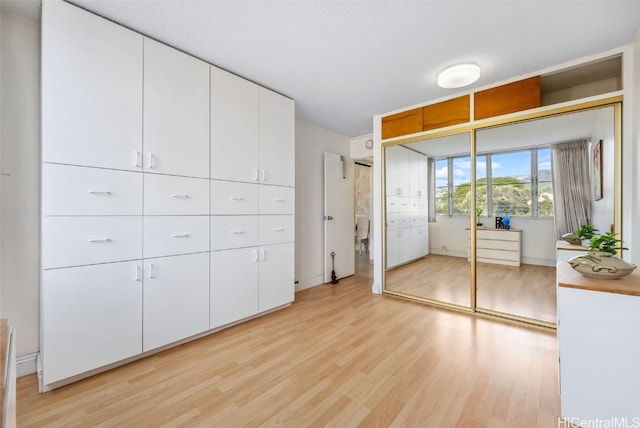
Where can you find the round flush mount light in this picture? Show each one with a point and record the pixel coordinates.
(459, 75)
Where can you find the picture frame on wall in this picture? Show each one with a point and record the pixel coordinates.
(597, 171)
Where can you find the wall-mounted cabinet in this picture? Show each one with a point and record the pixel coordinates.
(132, 220)
(585, 80)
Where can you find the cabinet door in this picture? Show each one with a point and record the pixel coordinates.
(229, 197)
(391, 170)
(404, 171)
(75, 241)
(419, 242)
(423, 173)
(277, 139)
(176, 112)
(231, 231)
(176, 298)
(173, 235)
(170, 195)
(91, 90)
(234, 285)
(91, 317)
(404, 245)
(235, 117)
(597, 383)
(276, 267)
(73, 190)
(414, 174)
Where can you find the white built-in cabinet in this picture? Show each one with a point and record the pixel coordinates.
(407, 205)
(598, 347)
(164, 212)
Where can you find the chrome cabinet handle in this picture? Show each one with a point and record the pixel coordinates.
(236, 198)
(99, 240)
(278, 200)
(255, 256)
(150, 161)
(278, 229)
(262, 175)
(261, 252)
(150, 275)
(180, 196)
(100, 192)
(254, 174)
(180, 235)
(236, 232)
(137, 273)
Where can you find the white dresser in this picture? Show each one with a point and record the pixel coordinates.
(167, 196)
(498, 246)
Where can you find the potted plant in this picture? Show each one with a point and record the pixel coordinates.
(607, 243)
(478, 213)
(585, 233)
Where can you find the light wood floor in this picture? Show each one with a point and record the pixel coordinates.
(527, 290)
(340, 356)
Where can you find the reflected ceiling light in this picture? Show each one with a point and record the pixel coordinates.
(459, 75)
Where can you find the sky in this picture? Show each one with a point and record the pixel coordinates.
(503, 165)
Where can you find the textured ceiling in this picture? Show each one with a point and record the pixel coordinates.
(345, 61)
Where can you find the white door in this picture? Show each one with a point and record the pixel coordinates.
(176, 112)
(339, 217)
(92, 316)
(277, 139)
(276, 277)
(91, 90)
(176, 299)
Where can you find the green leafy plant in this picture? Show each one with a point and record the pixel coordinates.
(606, 243)
(478, 214)
(586, 231)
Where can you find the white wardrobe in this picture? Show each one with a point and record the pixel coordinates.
(167, 196)
(407, 205)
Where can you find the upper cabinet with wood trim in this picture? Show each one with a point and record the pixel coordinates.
(509, 98)
(594, 78)
(176, 112)
(91, 90)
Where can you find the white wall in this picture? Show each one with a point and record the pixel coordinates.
(359, 149)
(20, 200)
(602, 215)
(311, 143)
(631, 156)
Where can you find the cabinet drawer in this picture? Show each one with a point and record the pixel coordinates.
(419, 220)
(173, 235)
(485, 253)
(228, 197)
(498, 235)
(170, 195)
(277, 200)
(75, 190)
(498, 245)
(75, 241)
(276, 229)
(233, 232)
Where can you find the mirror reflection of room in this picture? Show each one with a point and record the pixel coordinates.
(518, 218)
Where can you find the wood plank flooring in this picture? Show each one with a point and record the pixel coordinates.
(528, 290)
(339, 357)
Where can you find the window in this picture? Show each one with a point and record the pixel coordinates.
(514, 183)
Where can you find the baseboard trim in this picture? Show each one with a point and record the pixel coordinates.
(26, 364)
(452, 253)
(309, 283)
(539, 262)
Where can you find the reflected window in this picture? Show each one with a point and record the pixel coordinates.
(442, 186)
(514, 183)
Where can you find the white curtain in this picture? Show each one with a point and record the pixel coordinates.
(571, 185)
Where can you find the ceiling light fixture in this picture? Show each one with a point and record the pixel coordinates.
(459, 75)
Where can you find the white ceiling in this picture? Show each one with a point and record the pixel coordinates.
(345, 61)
